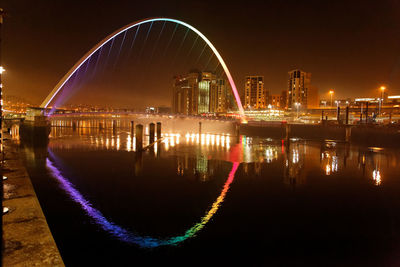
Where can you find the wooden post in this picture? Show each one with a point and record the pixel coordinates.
(114, 125)
(322, 116)
(199, 127)
(347, 115)
(151, 132)
(338, 114)
(139, 137)
(132, 125)
(158, 130)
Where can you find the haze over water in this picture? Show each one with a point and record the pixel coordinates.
(196, 199)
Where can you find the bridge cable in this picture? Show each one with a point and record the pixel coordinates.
(133, 41)
(155, 45)
(119, 51)
(180, 47)
(145, 41)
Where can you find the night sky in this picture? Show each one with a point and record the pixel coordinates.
(350, 46)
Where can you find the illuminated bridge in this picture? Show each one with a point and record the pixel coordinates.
(85, 60)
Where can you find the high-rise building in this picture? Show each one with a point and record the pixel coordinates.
(200, 92)
(207, 97)
(298, 86)
(220, 96)
(276, 101)
(185, 94)
(255, 94)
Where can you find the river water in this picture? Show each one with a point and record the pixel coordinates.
(215, 199)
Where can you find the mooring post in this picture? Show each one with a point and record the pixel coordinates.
(199, 127)
(366, 113)
(151, 132)
(338, 114)
(158, 130)
(132, 133)
(322, 116)
(114, 125)
(74, 126)
(347, 115)
(139, 137)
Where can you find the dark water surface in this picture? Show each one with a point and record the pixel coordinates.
(208, 200)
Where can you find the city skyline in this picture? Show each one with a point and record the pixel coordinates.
(343, 53)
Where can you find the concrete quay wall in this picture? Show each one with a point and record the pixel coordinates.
(26, 236)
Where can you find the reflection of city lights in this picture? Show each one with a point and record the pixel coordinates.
(376, 176)
(192, 137)
(187, 137)
(166, 142)
(334, 164)
(212, 139)
(118, 142)
(328, 169)
(295, 156)
(217, 140)
(202, 139)
(271, 154)
(172, 141)
(128, 143)
(207, 139)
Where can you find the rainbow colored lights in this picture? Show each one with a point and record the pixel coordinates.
(123, 234)
(77, 65)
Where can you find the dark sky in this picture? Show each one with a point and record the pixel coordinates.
(350, 46)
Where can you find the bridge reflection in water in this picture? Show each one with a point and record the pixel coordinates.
(251, 153)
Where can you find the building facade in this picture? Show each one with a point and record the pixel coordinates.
(298, 88)
(255, 94)
(200, 92)
(276, 101)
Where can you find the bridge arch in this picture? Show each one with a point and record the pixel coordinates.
(78, 64)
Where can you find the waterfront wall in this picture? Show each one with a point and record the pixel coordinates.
(371, 135)
(26, 235)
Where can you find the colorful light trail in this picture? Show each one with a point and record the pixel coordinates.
(123, 234)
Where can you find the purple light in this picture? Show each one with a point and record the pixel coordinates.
(125, 235)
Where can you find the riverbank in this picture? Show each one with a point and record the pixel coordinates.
(27, 237)
(370, 135)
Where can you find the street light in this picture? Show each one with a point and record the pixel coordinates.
(331, 93)
(381, 100)
(2, 69)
